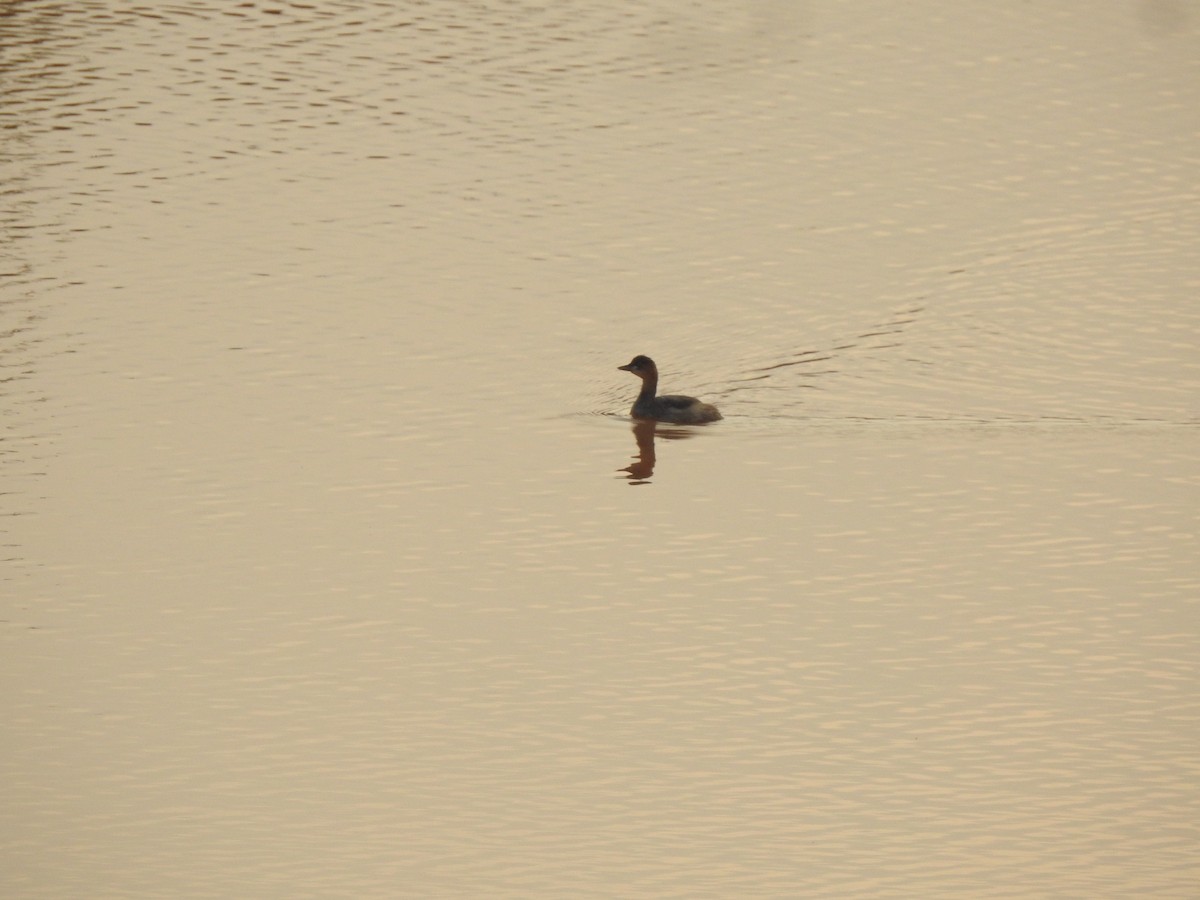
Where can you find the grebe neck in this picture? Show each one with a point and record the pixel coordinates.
(649, 387)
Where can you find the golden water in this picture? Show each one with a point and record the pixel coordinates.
(334, 568)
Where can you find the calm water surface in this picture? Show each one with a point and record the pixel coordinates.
(334, 568)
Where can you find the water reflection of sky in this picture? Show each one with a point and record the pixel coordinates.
(323, 572)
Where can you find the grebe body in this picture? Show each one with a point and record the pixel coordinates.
(672, 408)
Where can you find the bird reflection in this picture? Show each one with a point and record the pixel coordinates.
(644, 432)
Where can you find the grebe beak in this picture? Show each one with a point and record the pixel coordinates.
(628, 368)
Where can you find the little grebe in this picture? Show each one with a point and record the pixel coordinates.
(670, 408)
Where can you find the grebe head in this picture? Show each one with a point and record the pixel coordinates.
(641, 366)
